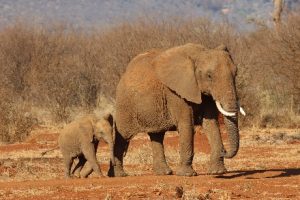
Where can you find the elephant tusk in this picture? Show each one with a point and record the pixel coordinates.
(242, 111)
(224, 112)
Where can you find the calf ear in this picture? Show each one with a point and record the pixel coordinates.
(109, 118)
(87, 131)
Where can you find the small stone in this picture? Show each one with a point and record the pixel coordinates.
(179, 191)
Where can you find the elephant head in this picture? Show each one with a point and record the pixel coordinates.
(105, 128)
(192, 70)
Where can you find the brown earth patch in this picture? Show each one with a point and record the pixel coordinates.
(264, 169)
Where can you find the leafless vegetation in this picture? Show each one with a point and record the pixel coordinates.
(16, 122)
(59, 68)
(270, 84)
(278, 7)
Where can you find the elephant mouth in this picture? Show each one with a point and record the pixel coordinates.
(224, 111)
(227, 113)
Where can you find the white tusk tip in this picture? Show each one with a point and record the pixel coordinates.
(242, 111)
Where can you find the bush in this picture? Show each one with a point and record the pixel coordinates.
(15, 122)
(271, 71)
(61, 69)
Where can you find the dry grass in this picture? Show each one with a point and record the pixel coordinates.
(66, 71)
(269, 84)
(16, 122)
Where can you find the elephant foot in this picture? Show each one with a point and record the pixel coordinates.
(100, 174)
(76, 173)
(84, 175)
(69, 177)
(186, 170)
(162, 170)
(217, 168)
(115, 171)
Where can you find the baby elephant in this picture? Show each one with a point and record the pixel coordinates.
(80, 139)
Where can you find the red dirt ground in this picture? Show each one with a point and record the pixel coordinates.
(267, 167)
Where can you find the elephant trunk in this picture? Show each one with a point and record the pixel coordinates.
(231, 124)
(112, 144)
(112, 157)
(230, 112)
(109, 140)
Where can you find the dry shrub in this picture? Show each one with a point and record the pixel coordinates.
(15, 122)
(49, 67)
(117, 46)
(60, 68)
(271, 85)
(258, 56)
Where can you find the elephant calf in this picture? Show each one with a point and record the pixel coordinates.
(80, 139)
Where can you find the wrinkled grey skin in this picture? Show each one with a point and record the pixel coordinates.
(175, 89)
(80, 139)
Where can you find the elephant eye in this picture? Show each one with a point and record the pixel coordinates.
(209, 76)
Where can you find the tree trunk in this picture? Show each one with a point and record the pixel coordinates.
(278, 6)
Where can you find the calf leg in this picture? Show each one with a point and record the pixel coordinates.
(79, 165)
(68, 164)
(90, 155)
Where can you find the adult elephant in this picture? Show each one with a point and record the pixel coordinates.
(173, 89)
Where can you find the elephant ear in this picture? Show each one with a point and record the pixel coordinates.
(109, 118)
(233, 67)
(87, 130)
(177, 72)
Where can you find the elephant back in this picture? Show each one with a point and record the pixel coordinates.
(143, 58)
(139, 75)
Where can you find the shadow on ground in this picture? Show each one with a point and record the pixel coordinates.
(284, 173)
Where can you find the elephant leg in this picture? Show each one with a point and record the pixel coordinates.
(86, 171)
(79, 165)
(211, 129)
(216, 163)
(120, 149)
(186, 145)
(90, 155)
(160, 165)
(68, 164)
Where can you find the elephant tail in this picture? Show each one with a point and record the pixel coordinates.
(49, 150)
